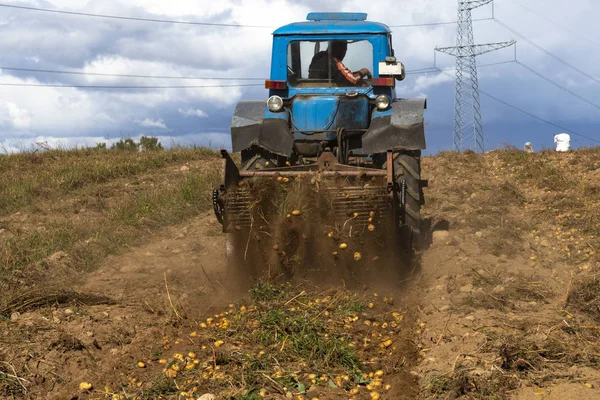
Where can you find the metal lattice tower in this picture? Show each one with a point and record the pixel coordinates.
(468, 129)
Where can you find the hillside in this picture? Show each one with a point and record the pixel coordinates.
(113, 274)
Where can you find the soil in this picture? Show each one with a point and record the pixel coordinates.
(499, 305)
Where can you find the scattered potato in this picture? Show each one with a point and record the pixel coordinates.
(296, 213)
(85, 386)
(357, 256)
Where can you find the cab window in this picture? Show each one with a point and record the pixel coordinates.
(325, 64)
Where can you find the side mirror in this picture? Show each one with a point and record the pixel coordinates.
(391, 67)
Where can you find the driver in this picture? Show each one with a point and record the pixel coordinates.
(319, 67)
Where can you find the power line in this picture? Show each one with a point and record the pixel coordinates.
(556, 23)
(571, 131)
(547, 52)
(52, 85)
(80, 73)
(558, 85)
(168, 21)
(435, 23)
(434, 70)
(49, 71)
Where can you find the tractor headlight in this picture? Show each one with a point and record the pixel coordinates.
(382, 102)
(275, 103)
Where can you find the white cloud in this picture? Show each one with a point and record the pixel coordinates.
(424, 82)
(190, 112)
(20, 117)
(152, 123)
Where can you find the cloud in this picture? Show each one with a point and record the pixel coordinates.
(20, 117)
(95, 45)
(190, 112)
(152, 123)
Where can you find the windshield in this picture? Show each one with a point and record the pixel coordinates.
(323, 64)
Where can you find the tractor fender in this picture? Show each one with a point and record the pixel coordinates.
(400, 128)
(249, 127)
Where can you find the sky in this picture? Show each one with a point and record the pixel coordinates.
(33, 117)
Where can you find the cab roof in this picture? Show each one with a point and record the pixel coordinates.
(333, 23)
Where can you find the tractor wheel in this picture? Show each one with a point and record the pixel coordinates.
(407, 171)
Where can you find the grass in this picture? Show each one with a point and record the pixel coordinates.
(585, 297)
(28, 178)
(91, 203)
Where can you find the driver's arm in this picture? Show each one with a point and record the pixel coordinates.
(352, 77)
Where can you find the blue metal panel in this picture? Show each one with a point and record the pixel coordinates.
(329, 16)
(283, 114)
(327, 113)
(314, 113)
(332, 28)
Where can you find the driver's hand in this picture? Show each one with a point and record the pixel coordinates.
(365, 72)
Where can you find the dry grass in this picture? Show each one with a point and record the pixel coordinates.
(86, 204)
(585, 298)
(503, 292)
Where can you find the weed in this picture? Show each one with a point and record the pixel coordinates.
(264, 291)
(352, 307)
(161, 387)
(250, 395)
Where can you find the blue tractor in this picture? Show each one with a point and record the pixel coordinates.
(332, 115)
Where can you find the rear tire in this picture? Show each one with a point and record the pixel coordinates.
(407, 168)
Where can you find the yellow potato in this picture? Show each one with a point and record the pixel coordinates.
(85, 386)
(219, 343)
(141, 365)
(343, 246)
(296, 213)
(169, 373)
(371, 227)
(357, 256)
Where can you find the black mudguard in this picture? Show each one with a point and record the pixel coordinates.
(403, 130)
(250, 128)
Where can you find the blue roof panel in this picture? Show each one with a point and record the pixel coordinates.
(329, 16)
(332, 27)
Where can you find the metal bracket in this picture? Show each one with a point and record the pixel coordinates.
(218, 205)
(390, 173)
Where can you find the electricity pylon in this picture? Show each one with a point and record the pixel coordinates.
(468, 129)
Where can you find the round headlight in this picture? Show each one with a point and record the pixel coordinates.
(382, 102)
(275, 103)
